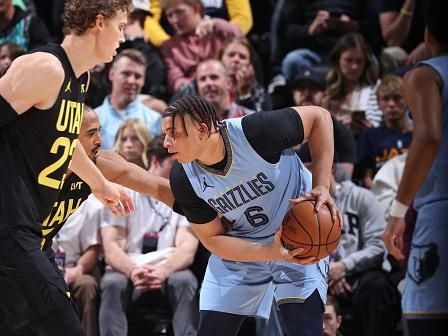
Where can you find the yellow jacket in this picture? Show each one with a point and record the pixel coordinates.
(239, 11)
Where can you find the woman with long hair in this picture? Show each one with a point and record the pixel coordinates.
(237, 56)
(352, 80)
(132, 141)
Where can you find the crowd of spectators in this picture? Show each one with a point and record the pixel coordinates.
(244, 56)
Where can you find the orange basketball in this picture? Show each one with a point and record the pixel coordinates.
(313, 231)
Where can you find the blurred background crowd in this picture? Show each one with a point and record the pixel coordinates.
(244, 56)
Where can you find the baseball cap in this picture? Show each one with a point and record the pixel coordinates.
(143, 5)
(312, 75)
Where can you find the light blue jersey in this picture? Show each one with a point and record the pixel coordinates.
(435, 185)
(254, 195)
(426, 289)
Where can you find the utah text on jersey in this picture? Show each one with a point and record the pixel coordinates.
(68, 121)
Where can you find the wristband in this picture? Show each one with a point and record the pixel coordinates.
(405, 12)
(398, 209)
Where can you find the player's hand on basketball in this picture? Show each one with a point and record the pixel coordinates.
(115, 197)
(322, 196)
(393, 237)
(292, 256)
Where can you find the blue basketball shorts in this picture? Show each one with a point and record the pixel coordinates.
(426, 285)
(247, 288)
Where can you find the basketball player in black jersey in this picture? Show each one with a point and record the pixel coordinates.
(73, 193)
(41, 106)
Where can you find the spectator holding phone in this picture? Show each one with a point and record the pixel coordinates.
(352, 81)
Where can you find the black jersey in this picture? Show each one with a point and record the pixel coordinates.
(74, 191)
(36, 149)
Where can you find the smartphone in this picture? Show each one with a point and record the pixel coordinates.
(358, 121)
(358, 115)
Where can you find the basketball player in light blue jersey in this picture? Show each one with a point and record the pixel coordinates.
(244, 173)
(425, 299)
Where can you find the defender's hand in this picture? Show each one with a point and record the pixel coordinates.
(115, 197)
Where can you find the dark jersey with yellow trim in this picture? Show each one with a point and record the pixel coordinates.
(74, 191)
(35, 151)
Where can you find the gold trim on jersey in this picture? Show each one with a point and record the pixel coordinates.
(229, 154)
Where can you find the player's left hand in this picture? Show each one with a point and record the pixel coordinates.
(115, 198)
(393, 237)
(292, 256)
(322, 196)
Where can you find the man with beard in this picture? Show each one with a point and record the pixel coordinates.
(214, 85)
(127, 76)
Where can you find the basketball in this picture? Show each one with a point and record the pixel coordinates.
(313, 231)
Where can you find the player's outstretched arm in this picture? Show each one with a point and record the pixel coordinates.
(31, 80)
(213, 236)
(120, 171)
(109, 193)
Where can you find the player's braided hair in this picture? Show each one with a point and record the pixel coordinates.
(199, 110)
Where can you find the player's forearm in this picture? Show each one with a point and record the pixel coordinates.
(129, 175)
(322, 149)
(82, 166)
(237, 249)
(89, 259)
(144, 182)
(421, 155)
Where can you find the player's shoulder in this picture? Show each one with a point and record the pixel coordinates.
(177, 173)
(421, 76)
(32, 80)
(180, 183)
(40, 63)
